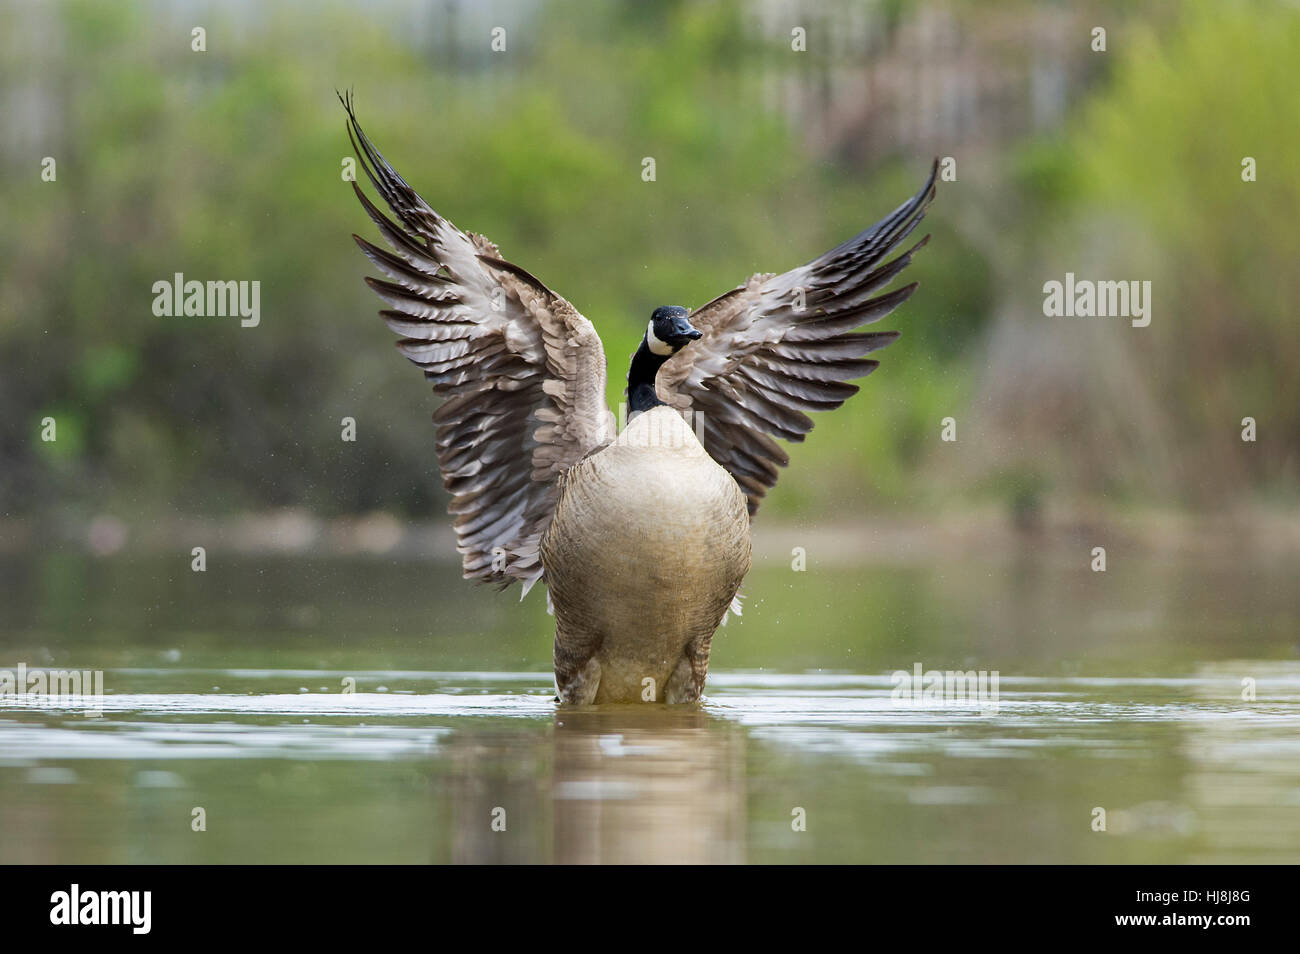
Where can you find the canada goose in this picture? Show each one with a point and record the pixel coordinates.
(643, 538)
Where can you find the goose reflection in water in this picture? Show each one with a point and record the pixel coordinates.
(625, 784)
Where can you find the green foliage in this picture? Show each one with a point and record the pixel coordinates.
(226, 165)
(1164, 146)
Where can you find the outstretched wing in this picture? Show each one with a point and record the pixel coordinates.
(780, 345)
(523, 373)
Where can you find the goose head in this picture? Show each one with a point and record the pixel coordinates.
(670, 330)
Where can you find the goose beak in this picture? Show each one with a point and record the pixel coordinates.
(685, 331)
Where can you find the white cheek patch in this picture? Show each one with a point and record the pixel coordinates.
(656, 346)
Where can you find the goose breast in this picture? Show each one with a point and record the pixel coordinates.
(648, 546)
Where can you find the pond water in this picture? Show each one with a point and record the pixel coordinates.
(373, 710)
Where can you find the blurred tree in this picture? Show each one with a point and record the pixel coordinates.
(1162, 149)
(226, 165)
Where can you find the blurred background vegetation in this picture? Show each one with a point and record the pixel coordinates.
(226, 164)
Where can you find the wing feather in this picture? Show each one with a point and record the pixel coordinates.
(522, 372)
(780, 345)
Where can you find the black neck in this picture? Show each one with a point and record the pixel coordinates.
(641, 394)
